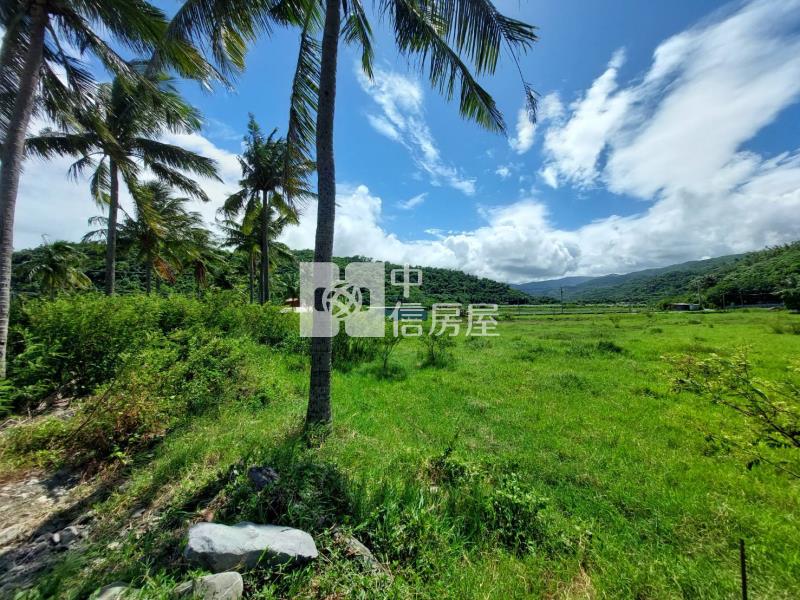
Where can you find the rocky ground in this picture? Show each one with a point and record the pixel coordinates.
(40, 517)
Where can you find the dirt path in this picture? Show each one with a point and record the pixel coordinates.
(41, 516)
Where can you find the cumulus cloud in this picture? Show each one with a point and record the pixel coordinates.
(402, 120)
(503, 171)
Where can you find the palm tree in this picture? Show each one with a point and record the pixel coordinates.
(160, 233)
(439, 35)
(56, 267)
(246, 238)
(36, 72)
(264, 184)
(120, 132)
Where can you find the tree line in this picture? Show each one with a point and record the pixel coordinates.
(115, 130)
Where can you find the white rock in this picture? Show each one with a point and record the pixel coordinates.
(222, 547)
(222, 586)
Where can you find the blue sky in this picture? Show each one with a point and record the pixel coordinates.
(668, 131)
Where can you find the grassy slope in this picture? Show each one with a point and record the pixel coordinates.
(599, 433)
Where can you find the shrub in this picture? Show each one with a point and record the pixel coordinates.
(791, 298)
(435, 350)
(75, 344)
(349, 352)
(609, 346)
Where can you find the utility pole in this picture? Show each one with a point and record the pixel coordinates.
(562, 300)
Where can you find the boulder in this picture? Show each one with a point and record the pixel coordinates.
(224, 547)
(221, 586)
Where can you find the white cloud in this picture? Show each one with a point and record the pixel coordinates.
(412, 202)
(503, 171)
(681, 128)
(526, 130)
(574, 147)
(403, 121)
(550, 108)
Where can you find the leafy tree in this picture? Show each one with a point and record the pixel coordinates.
(56, 267)
(438, 36)
(36, 73)
(120, 131)
(267, 186)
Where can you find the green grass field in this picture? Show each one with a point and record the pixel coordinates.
(551, 461)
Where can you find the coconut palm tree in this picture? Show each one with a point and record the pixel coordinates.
(245, 237)
(56, 267)
(265, 181)
(118, 134)
(161, 233)
(442, 38)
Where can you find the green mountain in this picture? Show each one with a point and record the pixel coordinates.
(751, 278)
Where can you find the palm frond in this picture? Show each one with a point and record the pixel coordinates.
(357, 30)
(420, 33)
(152, 151)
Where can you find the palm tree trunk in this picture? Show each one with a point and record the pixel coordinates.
(319, 392)
(265, 247)
(111, 235)
(12, 156)
(148, 278)
(251, 275)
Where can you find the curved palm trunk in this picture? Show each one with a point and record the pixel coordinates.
(319, 392)
(265, 247)
(11, 169)
(111, 235)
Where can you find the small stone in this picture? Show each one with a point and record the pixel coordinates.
(137, 513)
(358, 551)
(55, 539)
(222, 547)
(114, 546)
(112, 591)
(69, 534)
(222, 586)
(261, 477)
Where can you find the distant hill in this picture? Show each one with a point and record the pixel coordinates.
(740, 278)
(443, 285)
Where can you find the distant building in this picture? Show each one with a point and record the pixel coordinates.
(683, 306)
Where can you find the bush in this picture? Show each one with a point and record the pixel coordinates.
(791, 298)
(435, 350)
(75, 344)
(609, 346)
